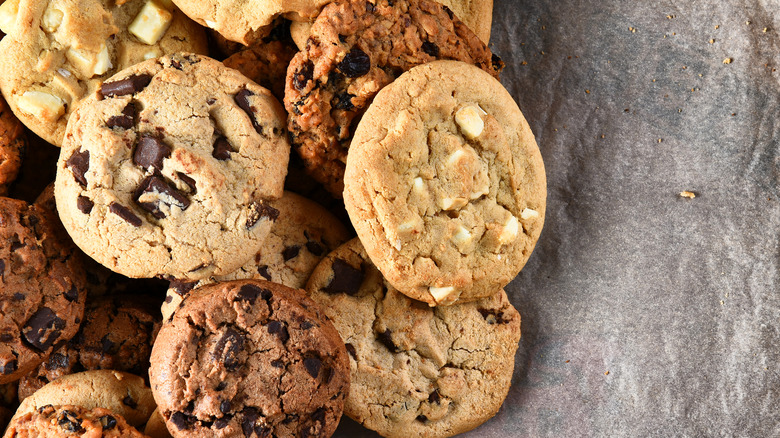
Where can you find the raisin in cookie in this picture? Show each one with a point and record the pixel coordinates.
(249, 357)
(13, 143)
(445, 184)
(42, 286)
(356, 48)
(167, 171)
(71, 421)
(57, 52)
(416, 370)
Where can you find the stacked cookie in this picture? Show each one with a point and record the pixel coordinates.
(173, 166)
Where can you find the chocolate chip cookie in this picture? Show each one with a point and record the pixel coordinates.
(168, 169)
(13, 143)
(445, 184)
(356, 48)
(42, 286)
(416, 370)
(57, 52)
(249, 358)
(71, 421)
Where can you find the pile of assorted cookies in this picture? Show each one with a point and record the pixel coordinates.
(212, 157)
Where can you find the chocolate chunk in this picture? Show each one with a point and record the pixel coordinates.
(6, 337)
(68, 420)
(124, 120)
(154, 192)
(386, 338)
(291, 252)
(182, 421)
(277, 328)
(225, 406)
(221, 386)
(189, 181)
(259, 210)
(150, 152)
(421, 418)
(16, 244)
(130, 85)
(303, 76)
(8, 367)
(19, 296)
(107, 344)
(493, 316)
(263, 271)
(346, 279)
(315, 248)
(211, 101)
(430, 48)
(305, 325)
(176, 64)
(43, 329)
(84, 204)
(435, 397)
(2, 268)
(128, 401)
(242, 100)
(108, 422)
(222, 149)
(56, 361)
(125, 213)
(72, 294)
(312, 365)
(221, 423)
(277, 364)
(182, 287)
(78, 163)
(355, 64)
(342, 101)
(250, 292)
(228, 349)
(248, 423)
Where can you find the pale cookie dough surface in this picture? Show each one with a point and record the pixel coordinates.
(417, 371)
(449, 202)
(302, 235)
(57, 52)
(70, 422)
(169, 174)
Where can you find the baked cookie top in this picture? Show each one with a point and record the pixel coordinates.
(445, 184)
(249, 358)
(71, 421)
(167, 170)
(42, 288)
(57, 52)
(13, 143)
(416, 370)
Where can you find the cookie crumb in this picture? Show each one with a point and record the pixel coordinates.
(711, 41)
(687, 194)
(606, 373)
(727, 60)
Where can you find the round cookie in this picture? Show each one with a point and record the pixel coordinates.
(167, 170)
(246, 357)
(156, 427)
(416, 370)
(57, 52)
(445, 184)
(125, 394)
(356, 48)
(42, 287)
(117, 334)
(13, 143)
(302, 235)
(71, 421)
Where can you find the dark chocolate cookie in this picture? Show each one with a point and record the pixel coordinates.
(249, 358)
(356, 48)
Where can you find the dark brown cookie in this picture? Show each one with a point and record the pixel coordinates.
(117, 334)
(71, 421)
(42, 288)
(356, 48)
(249, 358)
(13, 143)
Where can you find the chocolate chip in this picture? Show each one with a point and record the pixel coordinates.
(386, 338)
(107, 344)
(2, 268)
(182, 421)
(221, 423)
(6, 337)
(225, 406)
(315, 248)
(211, 101)
(291, 252)
(124, 120)
(130, 85)
(128, 401)
(221, 386)
(108, 422)
(421, 418)
(150, 152)
(248, 423)
(277, 328)
(125, 213)
(312, 365)
(68, 420)
(346, 279)
(355, 64)
(222, 149)
(176, 64)
(189, 181)
(8, 367)
(277, 364)
(342, 101)
(435, 397)
(370, 7)
(16, 244)
(259, 210)
(72, 294)
(43, 329)
(78, 163)
(430, 48)
(305, 325)
(303, 76)
(154, 192)
(263, 271)
(228, 348)
(250, 292)
(56, 361)
(84, 204)
(182, 287)
(493, 316)
(19, 296)
(242, 100)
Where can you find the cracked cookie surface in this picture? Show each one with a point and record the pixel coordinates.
(249, 358)
(13, 143)
(42, 287)
(356, 48)
(168, 169)
(71, 421)
(416, 370)
(57, 52)
(445, 184)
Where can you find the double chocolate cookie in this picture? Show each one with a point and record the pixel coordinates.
(71, 421)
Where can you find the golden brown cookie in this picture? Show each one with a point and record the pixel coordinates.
(13, 144)
(70, 421)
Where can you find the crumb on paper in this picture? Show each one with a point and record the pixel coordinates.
(670, 17)
(524, 63)
(660, 140)
(606, 373)
(717, 26)
(587, 91)
(728, 60)
(633, 30)
(711, 41)
(687, 194)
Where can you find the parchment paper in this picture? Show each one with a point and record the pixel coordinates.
(646, 313)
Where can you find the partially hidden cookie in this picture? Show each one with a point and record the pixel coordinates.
(168, 170)
(71, 421)
(117, 334)
(249, 358)
(57, 52)
(356, 48)
(302, 235)
(123, 393)
(156, 427)
(417, 371)
(42, 286)
(13, 144)
(445, 184)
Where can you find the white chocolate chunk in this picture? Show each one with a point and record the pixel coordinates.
(528, 214)
(65, 73)
(8, 11)
(453, 203)
(52, 19)
(82, 60)
(102, 62)
(510, 230)
(153, 54)
(419, 185)
(151, 23)
(441, 293)
(480, 192)
(211, 24)
(461, 237)
(470, 121)
(41, 105)
(455, 157)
